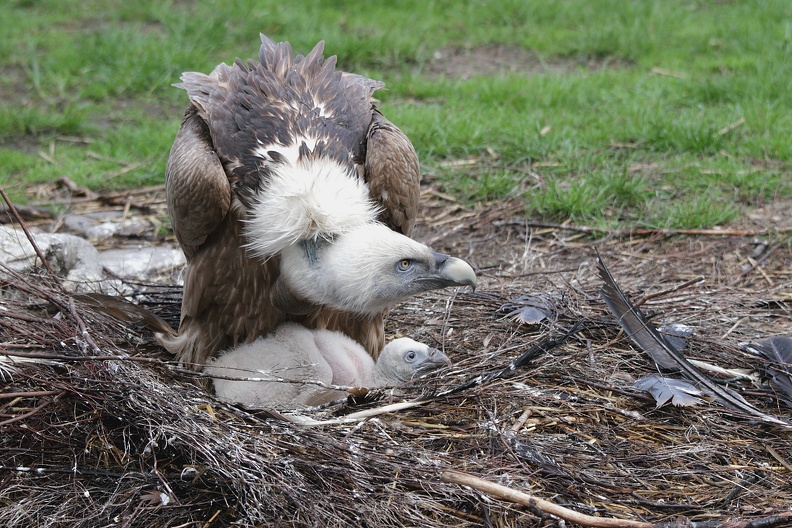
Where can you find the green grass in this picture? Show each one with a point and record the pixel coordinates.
(663, 113)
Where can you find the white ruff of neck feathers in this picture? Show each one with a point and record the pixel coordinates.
(310, 200)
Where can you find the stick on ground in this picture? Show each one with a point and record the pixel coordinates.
(506, 493)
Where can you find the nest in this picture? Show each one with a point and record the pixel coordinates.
(99, 428)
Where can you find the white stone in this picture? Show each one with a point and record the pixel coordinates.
(144, 263)
(72, 258)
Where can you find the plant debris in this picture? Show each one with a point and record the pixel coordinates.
(98, 427)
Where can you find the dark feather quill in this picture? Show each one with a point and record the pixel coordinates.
(662, 352)
(635, 323)
(545, 345)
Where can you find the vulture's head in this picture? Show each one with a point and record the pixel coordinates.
(403, 359)
(368, 269)
(322, 223)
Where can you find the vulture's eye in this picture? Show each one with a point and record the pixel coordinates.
(404, 265)
(409, 357)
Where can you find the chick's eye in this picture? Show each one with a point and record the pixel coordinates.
(409, 356)
(404, 265)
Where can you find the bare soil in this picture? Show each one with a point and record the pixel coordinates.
(493, 59)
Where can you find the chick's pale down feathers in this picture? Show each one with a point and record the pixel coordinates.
(296, 353)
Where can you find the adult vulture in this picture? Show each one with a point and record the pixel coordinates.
(293, 198)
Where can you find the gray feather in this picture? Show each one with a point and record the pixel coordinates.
(635, 323)
(530, 309)
(679, 392)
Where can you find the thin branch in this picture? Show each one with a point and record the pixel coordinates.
(31, 413)
(83, 328)
(31, 394)
(24, 227)
(357, 416)
(759, 262)
(17, 352)
(642, 232)
(518, 497)
(673, 289)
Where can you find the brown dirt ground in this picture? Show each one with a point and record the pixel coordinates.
(492, 59)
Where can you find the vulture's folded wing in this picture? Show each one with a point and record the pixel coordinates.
(392, 174)
(197, 188)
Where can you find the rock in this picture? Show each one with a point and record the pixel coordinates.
(78, 223)
(88, 225)
(143, 263)
(103, 225)
(72, 258)
(133, 229)
(101, 231)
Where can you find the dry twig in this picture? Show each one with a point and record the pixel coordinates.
(503, 492)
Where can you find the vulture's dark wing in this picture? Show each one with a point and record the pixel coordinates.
(392, 173)
(255, 108)
(196, 186)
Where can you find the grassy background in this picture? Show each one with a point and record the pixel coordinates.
(662, 113)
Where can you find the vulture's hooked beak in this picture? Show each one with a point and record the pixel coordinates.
(452, 271)
(437, 357)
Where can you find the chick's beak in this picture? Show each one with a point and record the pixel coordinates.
(437, 357)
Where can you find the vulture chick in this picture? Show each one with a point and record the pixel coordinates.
(293, 199)
(294, 352)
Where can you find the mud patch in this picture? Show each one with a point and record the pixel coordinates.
(497, 59)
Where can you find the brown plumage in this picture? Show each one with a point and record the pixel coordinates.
(279, 183)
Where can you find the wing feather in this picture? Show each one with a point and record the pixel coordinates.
(195, 182)
(393, 174)
(226, 296)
